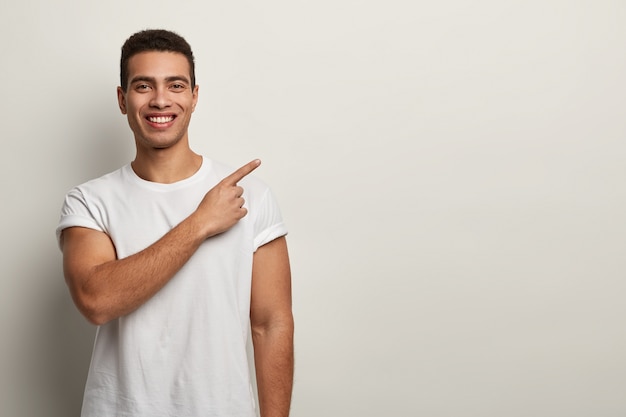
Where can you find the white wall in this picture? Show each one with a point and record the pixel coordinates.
(452, 174)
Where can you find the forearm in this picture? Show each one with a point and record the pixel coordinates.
(118, 287)
(274, 361)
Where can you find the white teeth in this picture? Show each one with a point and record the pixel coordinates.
(161, 119)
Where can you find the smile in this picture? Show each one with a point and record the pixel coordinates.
(161, 119)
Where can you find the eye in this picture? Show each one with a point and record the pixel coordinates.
(177, 86)
(142, 87)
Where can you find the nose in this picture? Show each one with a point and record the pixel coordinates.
(160, 98)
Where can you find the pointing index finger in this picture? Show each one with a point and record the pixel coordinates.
(238, 175)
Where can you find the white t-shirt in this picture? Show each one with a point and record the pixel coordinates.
(183, 352)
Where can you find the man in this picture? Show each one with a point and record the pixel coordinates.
(174, 257)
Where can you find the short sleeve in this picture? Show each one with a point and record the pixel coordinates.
(269, 223)
(75, 212)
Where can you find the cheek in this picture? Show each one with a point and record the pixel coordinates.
(133, 105)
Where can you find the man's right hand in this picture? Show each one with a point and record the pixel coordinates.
(222, 207)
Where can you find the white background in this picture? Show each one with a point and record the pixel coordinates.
(452, 174)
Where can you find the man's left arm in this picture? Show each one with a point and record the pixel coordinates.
(272, 327)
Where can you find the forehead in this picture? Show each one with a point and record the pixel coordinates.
(158, 64)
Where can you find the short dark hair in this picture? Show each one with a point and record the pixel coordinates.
(155, 40)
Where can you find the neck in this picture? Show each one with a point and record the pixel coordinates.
(167, 165)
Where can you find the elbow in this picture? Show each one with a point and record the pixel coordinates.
(95, 318)
(92, 303)
(91, 308)
(281, 325)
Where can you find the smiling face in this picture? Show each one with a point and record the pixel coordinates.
(159, 99)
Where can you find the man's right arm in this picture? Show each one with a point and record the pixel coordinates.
(104, 287)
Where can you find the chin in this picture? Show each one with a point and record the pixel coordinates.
(160, 144)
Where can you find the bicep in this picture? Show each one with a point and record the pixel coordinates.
(83, 250)
(271, 283)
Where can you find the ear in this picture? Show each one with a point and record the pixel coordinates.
(195, 97)
(121, 100)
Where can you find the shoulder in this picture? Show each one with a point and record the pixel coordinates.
(102, 183)
(96, 191)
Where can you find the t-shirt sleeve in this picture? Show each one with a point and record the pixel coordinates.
(269, 223)
(76, 212)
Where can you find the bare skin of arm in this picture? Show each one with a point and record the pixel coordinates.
(272, 328)
(104, 287)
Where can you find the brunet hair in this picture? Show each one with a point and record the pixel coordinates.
(155, 40)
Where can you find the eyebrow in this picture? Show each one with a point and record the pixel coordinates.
(153, 80)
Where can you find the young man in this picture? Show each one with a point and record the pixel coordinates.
(174, 257)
